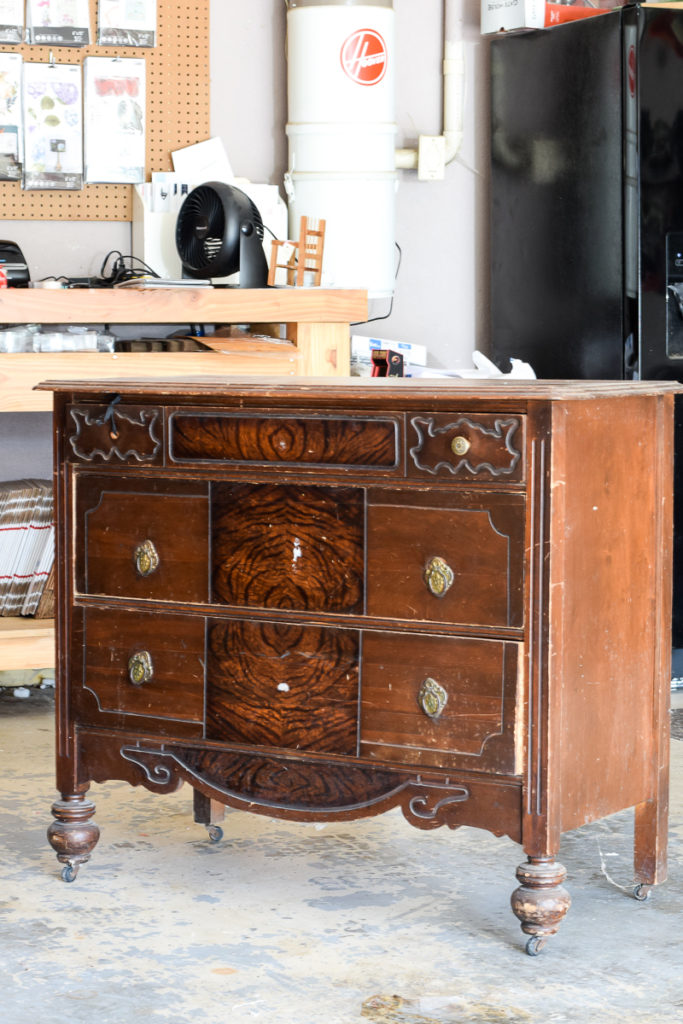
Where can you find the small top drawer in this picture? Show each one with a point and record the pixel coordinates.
(266, 438)
(115, 434)
(471, 447)
(142, 539)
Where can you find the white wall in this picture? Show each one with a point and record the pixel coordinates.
(441, 296)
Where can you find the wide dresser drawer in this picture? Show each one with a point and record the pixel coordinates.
(403, 698)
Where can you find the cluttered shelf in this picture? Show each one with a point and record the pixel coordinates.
(316, 343)
(26, 643)
(316, 333)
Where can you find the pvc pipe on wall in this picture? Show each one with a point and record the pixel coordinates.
(453, 103)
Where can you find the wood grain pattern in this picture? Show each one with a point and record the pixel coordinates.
(320, 440)
(550, 670)
(283, 685)
(288, 547)
(316, 791)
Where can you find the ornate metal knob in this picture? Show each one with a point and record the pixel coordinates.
(460, 445)
(146, 558)
(432, 698)
(140, 668)
(438, 576)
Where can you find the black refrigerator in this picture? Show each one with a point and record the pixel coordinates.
(587, 206)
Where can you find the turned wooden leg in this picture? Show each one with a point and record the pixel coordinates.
(72, 834)
(540, 902)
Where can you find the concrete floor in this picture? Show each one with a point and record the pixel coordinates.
(285, 923)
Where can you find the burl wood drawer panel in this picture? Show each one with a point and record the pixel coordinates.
(288, 547)
(441, 702)
(434, 559)
(140, 663)
(144, 539)
(283, 685)
(471, 448)
(267, 438)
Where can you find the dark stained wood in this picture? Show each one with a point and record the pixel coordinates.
(483, 545)
(478, 727)
(288, 547)
(278, 684)
(175, 644)
(319, 440)
(447, 598)
(109, 433)
(112, 523)
(541, 901)
(467, 447)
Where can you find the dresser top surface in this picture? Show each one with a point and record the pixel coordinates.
(365, 390)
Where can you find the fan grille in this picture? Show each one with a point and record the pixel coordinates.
(201, 227)
(219, 226)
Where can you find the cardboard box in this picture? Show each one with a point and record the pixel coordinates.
(511, 15)
(516, 15)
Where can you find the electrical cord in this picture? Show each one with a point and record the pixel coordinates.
(384, 316)
(121, 270)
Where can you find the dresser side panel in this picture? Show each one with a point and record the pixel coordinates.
(609, 554)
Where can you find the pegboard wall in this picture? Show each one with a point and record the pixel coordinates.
(177, 110)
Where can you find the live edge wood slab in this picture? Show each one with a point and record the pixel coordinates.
(321, 600)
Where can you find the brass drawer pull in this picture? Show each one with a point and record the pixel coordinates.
(146, 558)
(140, 668)
(432, 698)
(438, 576)
(460, 445)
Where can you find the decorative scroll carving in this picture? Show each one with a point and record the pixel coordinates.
(153, 764)
(111, 434)
(428, 806)
(489, 448)
(310, 790)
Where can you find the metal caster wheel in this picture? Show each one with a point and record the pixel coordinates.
(215, 833)
(642, 892)
(69, 872)
(535, 944)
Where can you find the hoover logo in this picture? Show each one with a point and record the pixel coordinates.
(364, 57)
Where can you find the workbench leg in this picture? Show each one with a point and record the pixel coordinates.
(324, 349)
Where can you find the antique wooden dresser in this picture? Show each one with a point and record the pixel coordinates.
(321, 600)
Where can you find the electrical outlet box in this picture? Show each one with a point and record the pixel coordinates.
(431, 158)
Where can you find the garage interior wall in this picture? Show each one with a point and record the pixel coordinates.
(441, 294)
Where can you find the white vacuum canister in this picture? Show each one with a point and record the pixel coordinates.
(342, 136)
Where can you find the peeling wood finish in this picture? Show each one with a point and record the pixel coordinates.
(286, 636)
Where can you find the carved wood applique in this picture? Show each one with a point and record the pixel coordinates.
(114, 433)
(313, 791)
(485, 445)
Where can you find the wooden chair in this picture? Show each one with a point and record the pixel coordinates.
(304, 257)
